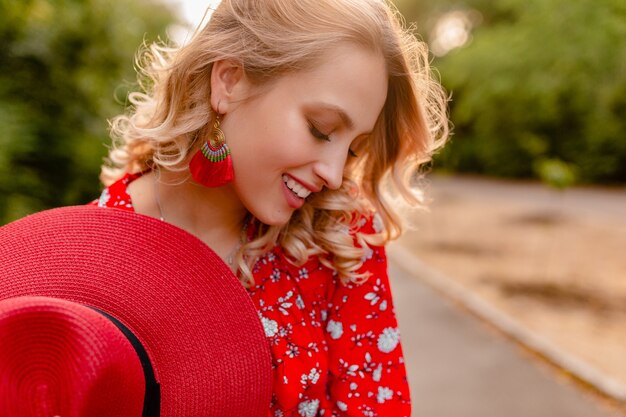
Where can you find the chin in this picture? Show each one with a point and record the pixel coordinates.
(273, 219)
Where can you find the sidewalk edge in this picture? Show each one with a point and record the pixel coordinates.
(610, 387)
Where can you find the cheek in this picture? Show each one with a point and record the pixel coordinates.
(277, 149)
(263, 141)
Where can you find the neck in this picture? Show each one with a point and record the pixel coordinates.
(199, 207)
(214, 215)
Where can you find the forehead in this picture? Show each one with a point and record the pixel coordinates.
(350, 81)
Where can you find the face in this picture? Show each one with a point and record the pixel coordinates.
(293, 139)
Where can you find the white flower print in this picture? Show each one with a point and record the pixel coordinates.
(360, 338)
(268, 258)
(384, 394)
(366, 350)
(104, 198)
(312, 347)
(388, 339)
(270, 326)
(335, 328)
(377, 224)
(286, 330)
(314, 375)
(377, 373)
(342, 406)
(299, 302)
(367, 411)
(362, 221)
(275, 275)
(372, 297)
(347, 368)
(122, 203)
(308, 408)
(293, 351)
(284, 304)
(368, 254)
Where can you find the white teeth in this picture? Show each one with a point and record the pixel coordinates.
(297, 189)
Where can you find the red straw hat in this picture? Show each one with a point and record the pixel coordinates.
(93, 300)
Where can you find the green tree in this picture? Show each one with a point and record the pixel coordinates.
(65, 68)
(539, 80)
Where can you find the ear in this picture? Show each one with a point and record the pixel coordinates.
(228, 85)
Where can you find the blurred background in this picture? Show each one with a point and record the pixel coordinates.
(529, 204)
(538, 88)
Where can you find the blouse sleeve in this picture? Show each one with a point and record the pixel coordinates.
(367, 371)
(116, 194)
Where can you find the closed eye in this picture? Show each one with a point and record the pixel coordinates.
(319, 135)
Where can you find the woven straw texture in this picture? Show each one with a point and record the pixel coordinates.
(62, 358)
(196, 321)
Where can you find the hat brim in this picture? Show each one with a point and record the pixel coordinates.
(196, 321)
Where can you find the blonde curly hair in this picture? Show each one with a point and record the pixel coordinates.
(169, 119)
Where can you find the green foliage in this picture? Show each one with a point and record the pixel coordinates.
(540, 80)
(555, 173)
(65, 68)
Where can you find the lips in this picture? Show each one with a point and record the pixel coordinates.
(295, 187)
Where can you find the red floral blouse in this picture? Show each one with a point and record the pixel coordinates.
(336, 348)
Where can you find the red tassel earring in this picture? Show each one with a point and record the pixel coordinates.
(212, 165)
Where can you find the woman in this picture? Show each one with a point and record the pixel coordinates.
(284, 135)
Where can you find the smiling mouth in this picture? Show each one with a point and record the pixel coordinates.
(296, 188)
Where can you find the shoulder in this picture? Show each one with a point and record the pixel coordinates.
(362, 254)
(116, 194)
(368, 223)
(367, 233)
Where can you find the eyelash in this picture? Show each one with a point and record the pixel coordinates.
(315, 132)
(319, 135)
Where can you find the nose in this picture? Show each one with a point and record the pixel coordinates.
(330, 170)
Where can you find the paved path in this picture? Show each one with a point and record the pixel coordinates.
(599, 202)
(459, 367)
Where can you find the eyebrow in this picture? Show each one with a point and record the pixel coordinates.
(347, 121)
